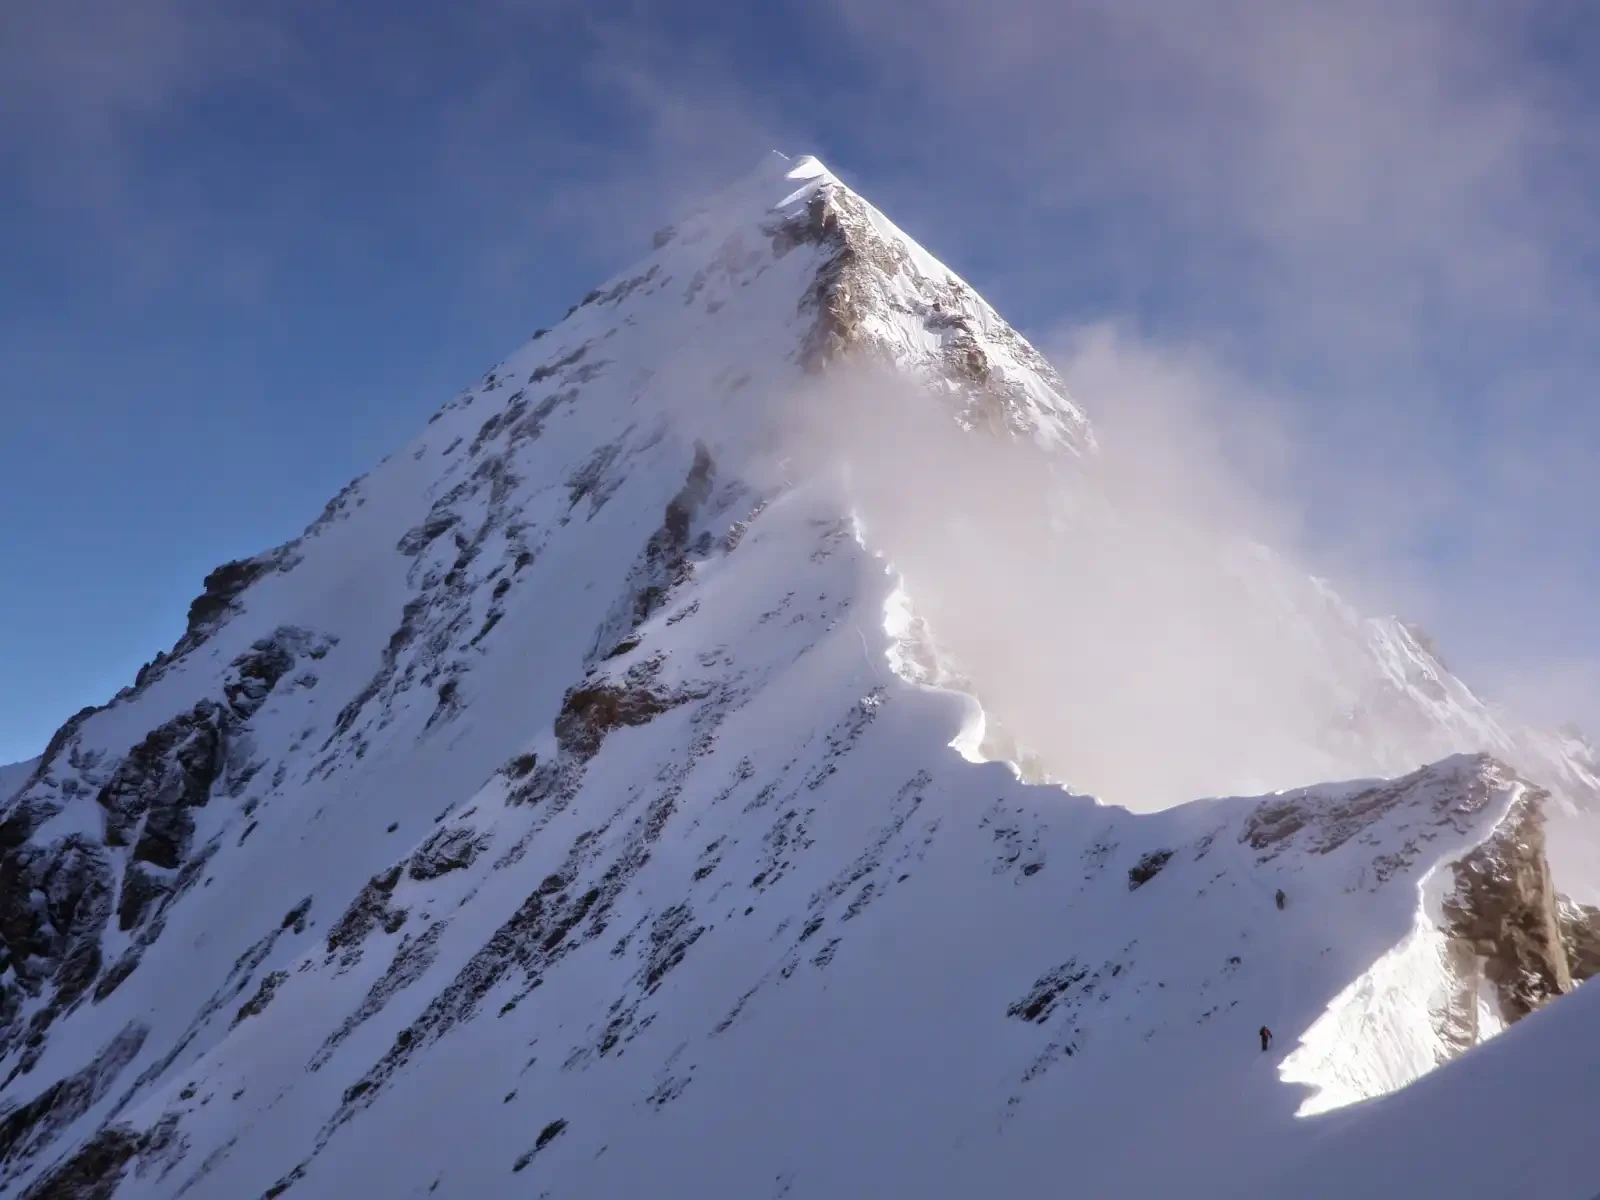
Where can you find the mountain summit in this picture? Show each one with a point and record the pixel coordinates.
(587, 804)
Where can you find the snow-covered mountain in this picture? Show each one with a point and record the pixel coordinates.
(592, 802)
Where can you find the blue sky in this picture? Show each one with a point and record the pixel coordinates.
(1350, 249)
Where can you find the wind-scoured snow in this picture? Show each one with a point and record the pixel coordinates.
(586, 804)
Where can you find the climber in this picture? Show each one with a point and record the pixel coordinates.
(1266, 1038)
(1281, 897)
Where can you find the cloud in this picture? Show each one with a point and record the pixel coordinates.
(1362, 228)
(1403, 154)
(88, 69)
(1110, 617)
(1200, 436)
(92, 90)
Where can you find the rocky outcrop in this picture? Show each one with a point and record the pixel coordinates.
(1449, 797)
(95, 1169)
(26, 1129)
(664, 562)
(256, 672)
(1504, 914)
(257, 1004)
(54, 905)
(865, 273)
(58, 896)
(589, 713)
(447, 850)
(370, 910)
(1147, 868)
(835, 221)
(219, 600)
(1580, 936)
(171, 770)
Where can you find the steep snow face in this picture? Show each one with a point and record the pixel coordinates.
(1512, 1119)
(581, 784)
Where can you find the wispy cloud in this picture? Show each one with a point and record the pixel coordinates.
(90, 89)
(1360, 235)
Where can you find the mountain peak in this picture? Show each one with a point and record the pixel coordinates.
(791, 266)
(582, 782)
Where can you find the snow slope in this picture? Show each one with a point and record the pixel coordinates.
(1512, 1119)
(582, 804)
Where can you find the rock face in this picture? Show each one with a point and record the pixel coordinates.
(1580, 935)
(1505, 909)
(27, 1129)
(58, 894)
(95, 1170)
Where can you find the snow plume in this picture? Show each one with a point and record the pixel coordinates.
(1116, 627)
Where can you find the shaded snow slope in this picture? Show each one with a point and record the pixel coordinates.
(1513, 1118)
(571, 796)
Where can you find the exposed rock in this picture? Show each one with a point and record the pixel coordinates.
(557, 365)
(112, 979)
(417, 540)
(404, 634)
(258, 1003)
(370, 909)
(27, 1129)
(58, 742)
(589, 713)
(1580, 936)
(671, 935)
(536, 936)
(1147, 868)
(295, 918)
(140, 889)
(521, 766)
(164, 841)
(1504, 908)
(222, 586)
(256, 672)
(173, 768)
(1442, 796)
(411, 961)
(447, 850)
(1046, 991)
(218, 600)
(596, 479)
(54, 903)
(836, 221)
(94, 1171)
(546, 1135)
(529, 939)
(664, 562)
